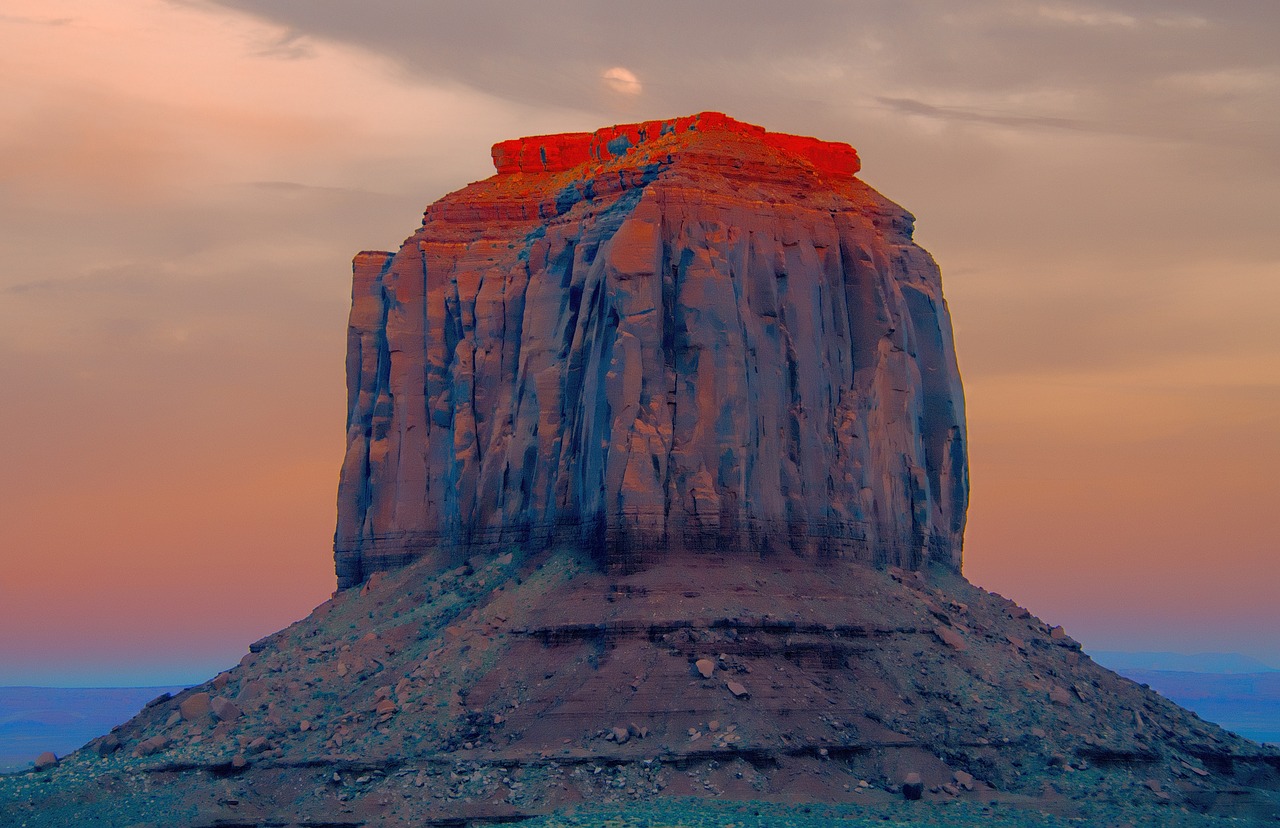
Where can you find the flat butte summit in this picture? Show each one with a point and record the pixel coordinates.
(653, 504)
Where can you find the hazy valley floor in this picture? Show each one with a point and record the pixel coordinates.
(61, 719)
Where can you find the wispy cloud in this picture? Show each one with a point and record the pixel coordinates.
(288, 45)
(36, 21)
(957, 113)
(124, 281)
(1098, 18)
(1243, 80)
(1095, 17)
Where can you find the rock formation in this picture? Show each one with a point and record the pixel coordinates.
(684, 334)
(687, 341)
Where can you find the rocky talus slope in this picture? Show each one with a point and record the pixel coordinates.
(524, 684)
(683, 334)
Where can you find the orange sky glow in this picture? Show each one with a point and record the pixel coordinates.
(183, 184)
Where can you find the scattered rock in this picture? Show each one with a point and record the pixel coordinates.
(220, 681)
(259, 745)
(304, 726)
(224, 709)
(375, 581)
(108, 744)
(249, 691)
(737, 689)
(620, 734)
(160, 699)
(386, 707)
(149, 746)
(46, 760)
(195, 707)
(1058, 695)
(950, 637)
(1057, 633)
(238, 761)
(705, 666)
(912, 787)
(964, 779)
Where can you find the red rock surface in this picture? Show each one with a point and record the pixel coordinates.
(564, 151)
(718, 338)
(676, 334)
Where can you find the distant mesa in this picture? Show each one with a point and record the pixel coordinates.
(688, 334)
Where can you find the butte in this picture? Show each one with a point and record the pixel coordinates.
(655, 487)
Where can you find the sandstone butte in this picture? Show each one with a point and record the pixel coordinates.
(654, 492)
(671, 335)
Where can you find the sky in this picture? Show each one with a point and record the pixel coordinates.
(184, 182)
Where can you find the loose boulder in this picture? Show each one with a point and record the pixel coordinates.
(225, 709)
(912, 786)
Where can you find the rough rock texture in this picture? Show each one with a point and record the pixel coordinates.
(685, 334)
(522, 684)
(713, 345)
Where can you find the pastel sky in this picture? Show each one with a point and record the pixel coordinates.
(184, 182)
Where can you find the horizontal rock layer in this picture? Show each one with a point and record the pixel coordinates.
(689, 334)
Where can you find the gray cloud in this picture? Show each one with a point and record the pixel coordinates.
(956, 113)
(1100, 66)
(290, 45)
(126, 282)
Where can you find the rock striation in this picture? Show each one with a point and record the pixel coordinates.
(688, 334)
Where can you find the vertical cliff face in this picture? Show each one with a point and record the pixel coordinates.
(686, 334)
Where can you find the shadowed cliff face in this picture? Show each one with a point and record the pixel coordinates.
(687, 334)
